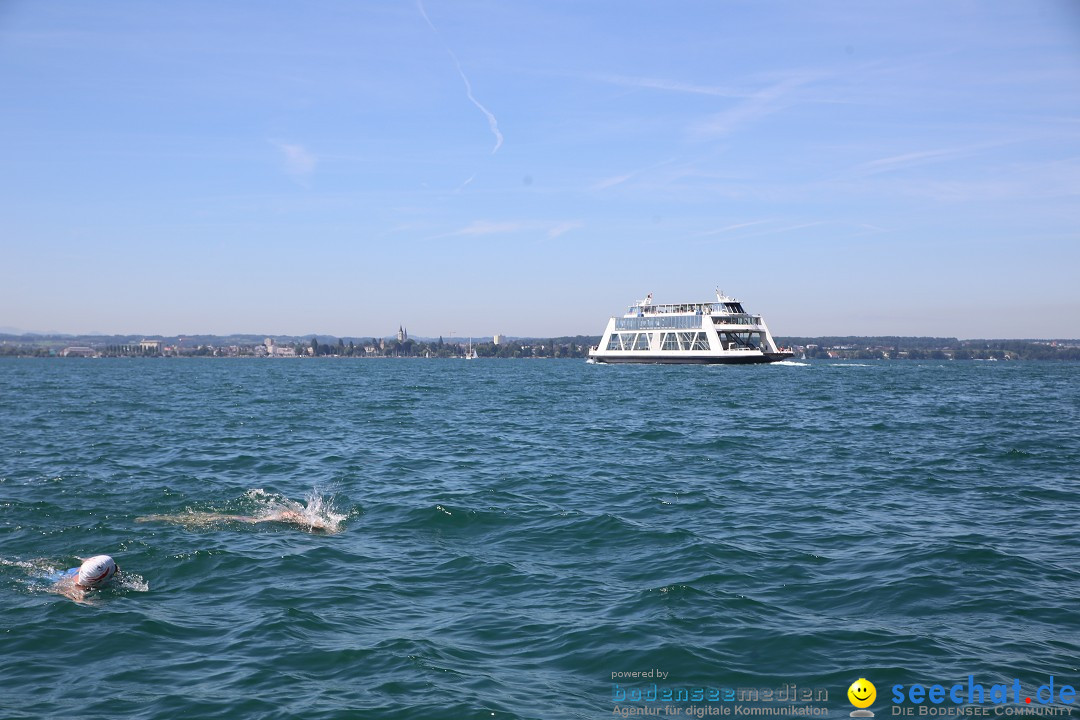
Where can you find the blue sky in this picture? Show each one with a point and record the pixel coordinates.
(531, 168)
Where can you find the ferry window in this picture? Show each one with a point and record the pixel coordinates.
(675, 322)
(699, 342)
(669, 342)
(613, 342)
(735, 340)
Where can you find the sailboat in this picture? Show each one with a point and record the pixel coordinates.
(471, 354)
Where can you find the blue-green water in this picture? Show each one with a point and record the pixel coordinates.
(512, 533)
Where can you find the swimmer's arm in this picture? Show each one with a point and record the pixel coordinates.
(296, 518)
(70, 589)
(279, 516)
(76, 593)
(197, 517)
(241, 518)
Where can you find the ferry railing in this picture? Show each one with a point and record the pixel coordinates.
(737, 320)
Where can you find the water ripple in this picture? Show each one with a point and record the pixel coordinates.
(505, 535)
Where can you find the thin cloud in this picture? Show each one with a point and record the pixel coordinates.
(493, 123)
(620, 179)
(772, 227)
(486, 227)
(465, 184)
(765, 101)
(612, 181)
(752, 105)
(480, 228)
(298, 160)
(736, 226)
(785, 229)
(862, 229)
(563, 228)
(901, 162)
(670, 86)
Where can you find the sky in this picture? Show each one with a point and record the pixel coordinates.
(532, 167)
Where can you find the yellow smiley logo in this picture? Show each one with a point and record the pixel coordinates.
(862, 693)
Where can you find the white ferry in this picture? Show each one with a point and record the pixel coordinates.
(701, 332)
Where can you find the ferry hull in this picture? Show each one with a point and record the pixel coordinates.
(755, 359)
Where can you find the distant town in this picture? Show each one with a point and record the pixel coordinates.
(401, 345)
(394, 346)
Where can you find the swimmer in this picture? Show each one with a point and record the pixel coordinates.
(311, 523)
(293, 517)
(94, 573)
(316, 515)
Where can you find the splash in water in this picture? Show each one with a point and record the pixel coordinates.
(317, 513)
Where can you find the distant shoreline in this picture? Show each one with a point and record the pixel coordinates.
(570, 347)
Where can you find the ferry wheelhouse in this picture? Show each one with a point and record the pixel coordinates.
(701, 332)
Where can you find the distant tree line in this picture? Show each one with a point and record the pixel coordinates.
(128, 351)
(849, 347)
(900, 348)
(565, 347)
(888, 341)
(25, 351)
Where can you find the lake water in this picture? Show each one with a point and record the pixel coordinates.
(507, 536)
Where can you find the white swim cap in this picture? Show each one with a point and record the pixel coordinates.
(97, 571)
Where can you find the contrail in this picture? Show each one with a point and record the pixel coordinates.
(492, 122)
